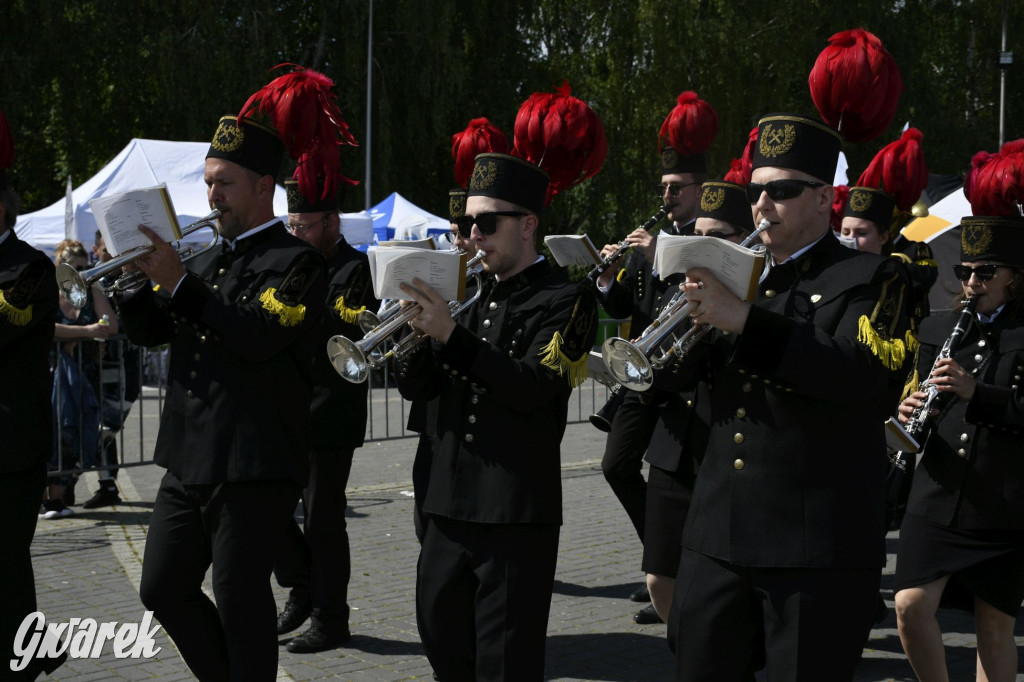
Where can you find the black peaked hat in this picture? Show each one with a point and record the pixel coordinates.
(726, 201)
(797, 143)
(511, 179)
(248, 143)
(456, 203)
(299, 203)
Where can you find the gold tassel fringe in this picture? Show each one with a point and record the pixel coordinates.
(19, 317)
(553, 358)
(287, 315)
(892, 352)
(349, 315)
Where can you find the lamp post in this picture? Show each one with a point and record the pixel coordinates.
(1005, 61)
(369, 103)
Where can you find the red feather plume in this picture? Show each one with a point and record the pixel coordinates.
(856, 85)
(842, 194)
(691, 126)
(480, 137)
(562, 135)
(899, 170)
(305, 114)
(741, 168)
(6, 144)
(996, 185)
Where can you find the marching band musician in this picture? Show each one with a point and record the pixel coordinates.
(502, 375)
(636, 292)
(242, 323)
(783, 540)
(962, 539)
(315, 562)
(28, 306)
(680, 437)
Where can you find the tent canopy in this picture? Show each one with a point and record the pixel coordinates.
(143, 163)
(398, 218)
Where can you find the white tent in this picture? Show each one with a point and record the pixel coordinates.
(143, 163)
(943, 215)
(398, 218)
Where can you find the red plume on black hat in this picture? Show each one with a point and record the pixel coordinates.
(480, 137)
(562, 135)
(899, 170)
(856, 85)
(691, 126)
(6, 150)
(995, 184)
(305, 113)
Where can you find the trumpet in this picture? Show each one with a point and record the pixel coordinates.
(907, 438)
(353, 360)
(75, 284)
(633, 364)
(608, 260)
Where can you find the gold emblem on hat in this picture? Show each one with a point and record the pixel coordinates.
(975, 239)
(774, 142)
(229, 136)
(860, 200)
(669, 158)
(484, 175)
(712, 199)
(295, 197)
(457, 205)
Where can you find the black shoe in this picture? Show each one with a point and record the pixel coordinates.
(640, 594)
(646, 616)
(68, 496)
(317, 638)
(293, 615)
(104, 497)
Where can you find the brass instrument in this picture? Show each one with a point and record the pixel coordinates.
(353, 360)
(633, 363)
(610, 259)
(75, 284)
(907, 438)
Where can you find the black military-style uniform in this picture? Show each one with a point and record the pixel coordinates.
(786, 519)
(636, 293)
(234, 438)
(317, 564)
(969, 480)
(28, 305)
(493, 500)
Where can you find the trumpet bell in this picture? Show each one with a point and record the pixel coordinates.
(347, 359)
(367, 321)
(627, 364)
(73, 285)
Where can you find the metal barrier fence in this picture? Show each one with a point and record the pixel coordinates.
(123, 425)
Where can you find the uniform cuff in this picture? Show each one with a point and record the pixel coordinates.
(461, 349)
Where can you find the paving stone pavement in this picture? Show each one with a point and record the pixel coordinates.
(88, 566)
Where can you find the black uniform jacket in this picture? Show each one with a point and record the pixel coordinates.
(339, 406)
(795, 464)
(27, 311)
(971, 471)
(242, 328)
(501, 408)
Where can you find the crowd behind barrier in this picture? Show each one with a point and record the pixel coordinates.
(132, 381)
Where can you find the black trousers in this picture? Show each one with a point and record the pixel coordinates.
(799, 623)
(235, 527)
(315, 562)
(20, 494)
(483, 593)
(632, 427)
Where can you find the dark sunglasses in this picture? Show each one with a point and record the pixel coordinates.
(779, 190)
(720, 235)
(673, 188)
(487, 223)
(983, 272)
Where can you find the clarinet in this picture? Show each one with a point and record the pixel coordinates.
(600, 268)
(910, 434)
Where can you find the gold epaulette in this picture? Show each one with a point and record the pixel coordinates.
(287, 315)
(567, 351)
(19, 317)
(349, 315)
(876, 332)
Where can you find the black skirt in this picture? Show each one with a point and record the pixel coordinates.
(987, 563)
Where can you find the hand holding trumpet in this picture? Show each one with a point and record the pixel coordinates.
(163, 264)
(435, 316)
(713, 303)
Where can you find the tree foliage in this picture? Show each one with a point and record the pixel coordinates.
(82, 77)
